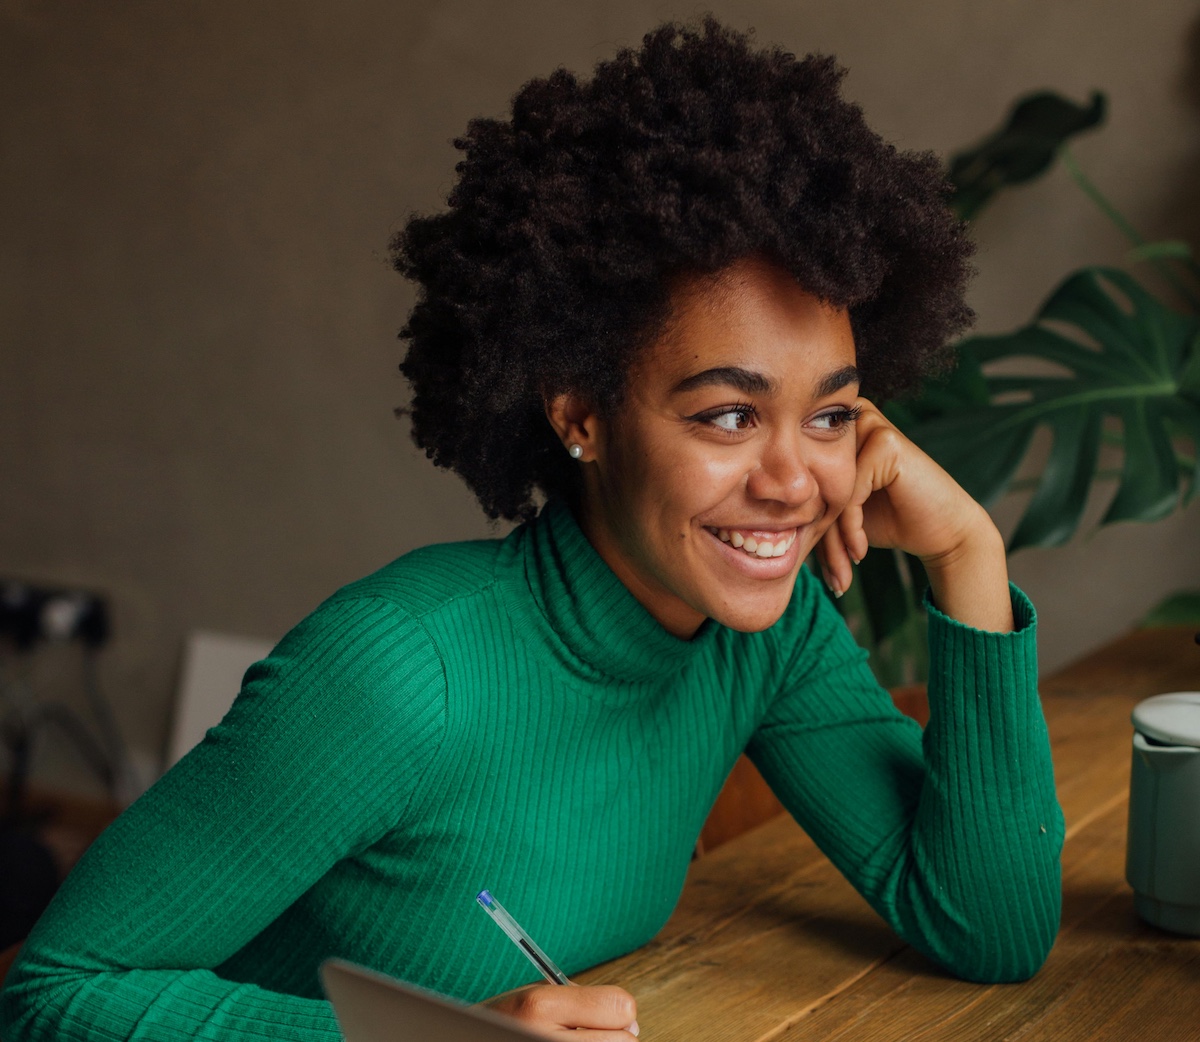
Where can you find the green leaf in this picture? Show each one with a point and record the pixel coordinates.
(1180, 609)
(1189, 379)
(1183, 418)
(982, 456)
(1128, 358)
(1057, 504)
(1171, 249)
(1021, 149)
(1035, 342)
(885, 596)
(918, 580)
(1149, 487)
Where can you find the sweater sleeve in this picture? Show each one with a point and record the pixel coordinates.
(952, 835)
(314, 761)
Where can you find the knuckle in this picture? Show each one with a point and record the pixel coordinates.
(886, 438)
(531, 1004)
(622, 1003)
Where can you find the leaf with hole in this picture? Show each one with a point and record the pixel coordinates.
(1131, 363)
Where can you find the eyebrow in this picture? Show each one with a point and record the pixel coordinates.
(750, 382)
(745, 380)
(838, 379)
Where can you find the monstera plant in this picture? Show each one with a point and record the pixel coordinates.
(1110, 368)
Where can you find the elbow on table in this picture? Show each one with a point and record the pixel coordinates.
(1002, 953)
(999, 967)
(1002, 931)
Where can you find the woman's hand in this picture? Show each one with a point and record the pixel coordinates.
(600, 1013)
(903, 499)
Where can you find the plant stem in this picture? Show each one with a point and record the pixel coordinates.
(1126, 229)
(1025, 484)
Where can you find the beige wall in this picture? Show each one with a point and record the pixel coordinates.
(198, 320)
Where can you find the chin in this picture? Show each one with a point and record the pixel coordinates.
(753, 617)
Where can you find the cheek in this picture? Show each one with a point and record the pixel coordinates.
(687, 477)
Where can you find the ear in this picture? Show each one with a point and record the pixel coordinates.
(575, 422)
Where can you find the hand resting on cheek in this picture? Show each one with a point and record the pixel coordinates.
(904, 500)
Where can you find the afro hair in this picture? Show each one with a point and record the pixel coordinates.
(570, 222)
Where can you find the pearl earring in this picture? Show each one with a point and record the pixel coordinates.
(576, 451)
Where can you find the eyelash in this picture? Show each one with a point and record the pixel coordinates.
(843, 417)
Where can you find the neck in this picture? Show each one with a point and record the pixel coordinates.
(673, 614)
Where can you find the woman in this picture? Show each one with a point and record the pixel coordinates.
(656, 299)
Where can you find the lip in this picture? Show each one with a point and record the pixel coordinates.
(761, 567)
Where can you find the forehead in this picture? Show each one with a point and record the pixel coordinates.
(752, 314)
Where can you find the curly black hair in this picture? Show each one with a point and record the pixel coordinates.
(570, 223)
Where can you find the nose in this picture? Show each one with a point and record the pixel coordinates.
(783, 473)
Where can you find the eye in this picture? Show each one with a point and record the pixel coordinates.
(738, 419)
(835, 419)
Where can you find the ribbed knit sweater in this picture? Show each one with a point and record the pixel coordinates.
(505, 715)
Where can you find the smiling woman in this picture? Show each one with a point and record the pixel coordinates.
(654, 304)
(730, 455)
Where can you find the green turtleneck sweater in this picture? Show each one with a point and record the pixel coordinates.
(505, 715)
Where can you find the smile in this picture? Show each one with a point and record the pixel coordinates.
(756, 543)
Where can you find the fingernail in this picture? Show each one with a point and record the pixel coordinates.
(633, 1028)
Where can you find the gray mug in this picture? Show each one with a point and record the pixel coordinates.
(1163, 856)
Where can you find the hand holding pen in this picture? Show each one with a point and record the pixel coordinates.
(592, 1014)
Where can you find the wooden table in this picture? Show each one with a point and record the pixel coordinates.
(770, 942)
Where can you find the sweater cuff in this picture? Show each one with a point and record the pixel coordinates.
(964, 657)
(970, 660)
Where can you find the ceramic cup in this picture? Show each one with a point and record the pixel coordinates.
(1163, 856)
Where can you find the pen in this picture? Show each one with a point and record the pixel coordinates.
(545, 966)
(520, 938)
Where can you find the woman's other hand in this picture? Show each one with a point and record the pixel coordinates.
(902, 499)
(601, 1013)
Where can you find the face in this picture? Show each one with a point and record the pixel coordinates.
(731, 454)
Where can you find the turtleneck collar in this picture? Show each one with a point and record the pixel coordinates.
(589, 612)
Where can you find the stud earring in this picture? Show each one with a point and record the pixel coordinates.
(576, 451)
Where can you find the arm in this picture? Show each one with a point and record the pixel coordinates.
(307, 767)
(952, 836)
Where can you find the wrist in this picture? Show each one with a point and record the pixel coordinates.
(969, 580)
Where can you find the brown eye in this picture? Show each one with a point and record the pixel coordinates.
(835, 419)
(732, 420)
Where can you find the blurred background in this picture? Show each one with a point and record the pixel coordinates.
(198, 319)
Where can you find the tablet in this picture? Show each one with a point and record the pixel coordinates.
(372, 1007)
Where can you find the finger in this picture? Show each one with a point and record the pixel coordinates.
(603, 1007)
(876, 470)
(821, 557)
(592, 1035)
(606, 1006)
(836, 567)
(850, 525)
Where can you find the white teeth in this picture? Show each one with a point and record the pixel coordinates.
(752, 546)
